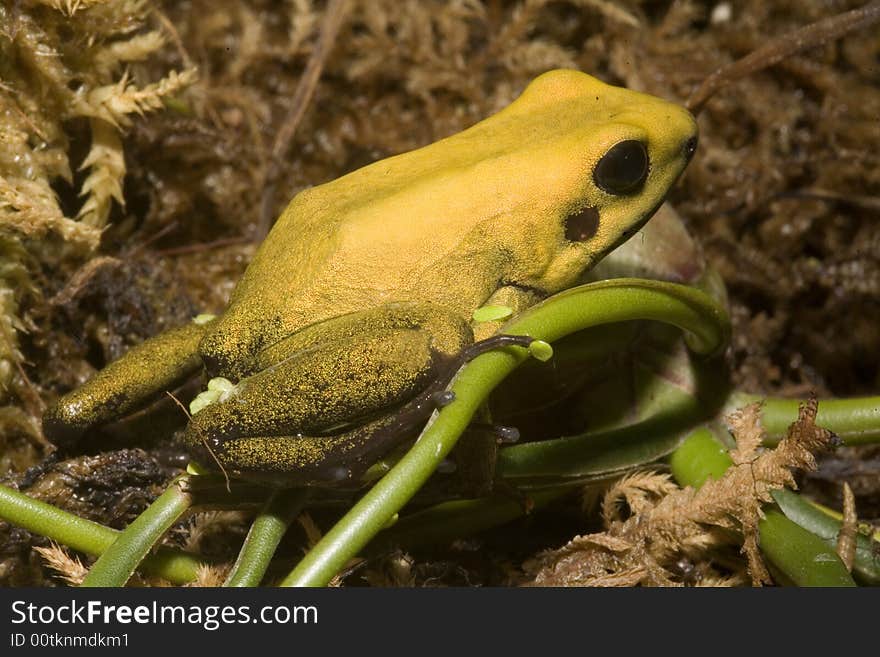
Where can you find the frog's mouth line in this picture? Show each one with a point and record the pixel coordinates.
(636, 226)
(529, 289)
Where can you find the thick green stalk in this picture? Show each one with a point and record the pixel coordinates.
(262, 540)
(804, 558)
(856, 421)
(87, 536)
(866, 565)
(119, 561)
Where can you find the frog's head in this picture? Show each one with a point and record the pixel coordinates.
(600, 160)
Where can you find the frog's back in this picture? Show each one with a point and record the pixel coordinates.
(403, 228)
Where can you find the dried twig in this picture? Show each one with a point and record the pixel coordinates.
(810, 36)
(846, 537)
(330, 25)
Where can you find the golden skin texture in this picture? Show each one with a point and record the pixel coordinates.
(365, 287)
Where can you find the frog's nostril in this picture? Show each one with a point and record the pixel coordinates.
(690, 147)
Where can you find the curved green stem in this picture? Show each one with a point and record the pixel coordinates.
(119, 561)
(87, 536)
(855, 421)
(444, 522)
(267, 531)
(596, 455)
(802, 557)
(576, 309)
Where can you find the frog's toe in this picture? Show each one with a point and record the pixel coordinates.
(162, 363)
(65, 422)
(291, 460)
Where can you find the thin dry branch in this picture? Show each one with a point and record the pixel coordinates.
(810, 36)
(333, 19)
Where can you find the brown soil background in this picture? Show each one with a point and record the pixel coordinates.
(784, 195)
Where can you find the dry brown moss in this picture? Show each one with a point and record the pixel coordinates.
(63, 66)
(666, 524)
(62, 62)
(783, 192)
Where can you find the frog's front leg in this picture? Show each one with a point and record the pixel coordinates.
(317, 409)
(161, 363)
(512, 300)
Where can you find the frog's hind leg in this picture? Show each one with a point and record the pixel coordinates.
(337, 374)
(302, 460)
(249, 434)
(322, 392)
(128, 384)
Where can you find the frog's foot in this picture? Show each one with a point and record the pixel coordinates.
(493, 342)
(392, 430)
(299, 460)
(126, 385)
(503, 435)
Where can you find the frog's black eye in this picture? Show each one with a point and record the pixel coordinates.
(623, 169)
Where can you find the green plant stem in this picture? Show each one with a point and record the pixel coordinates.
(87, 536)
(576, 309)
(866, 565)
(596, 455)
(444, 522)
(855, 421)
(116, 565)
(700, 456)
(802, 557)
(266, 532)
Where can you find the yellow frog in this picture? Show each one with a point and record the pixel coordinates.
(361, 300)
